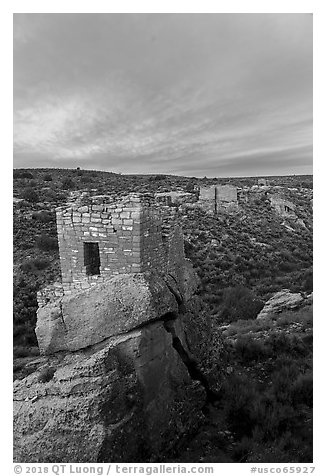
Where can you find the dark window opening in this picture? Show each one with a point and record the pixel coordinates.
(92, 258)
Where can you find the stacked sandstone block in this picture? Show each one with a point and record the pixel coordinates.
(133, 235)
(207, 198)
(226, 193)
(128, 233)
(153, 254)
(49, 293)
(282, 206)
(215, 198)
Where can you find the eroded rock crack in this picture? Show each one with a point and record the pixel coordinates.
(192, 365)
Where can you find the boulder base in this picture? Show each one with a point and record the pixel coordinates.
(86, 318)
(128, 399)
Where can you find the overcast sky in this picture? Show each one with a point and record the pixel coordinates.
(186, 94)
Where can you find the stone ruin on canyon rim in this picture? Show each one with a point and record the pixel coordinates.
(117, 339)
(123, 338)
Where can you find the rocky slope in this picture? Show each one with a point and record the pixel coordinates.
(127, 377)
(127, 399)
(106, 401)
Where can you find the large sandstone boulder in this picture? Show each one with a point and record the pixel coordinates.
(116, 381)
(122, 303)
(281, 301)
(128, 399)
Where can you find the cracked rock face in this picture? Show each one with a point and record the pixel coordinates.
(129, 398)
(113, 385)
(122, 303)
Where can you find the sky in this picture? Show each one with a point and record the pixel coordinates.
(185, 94)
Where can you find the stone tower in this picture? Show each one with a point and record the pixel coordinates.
(98, 241)
(107, 238)
(120, 262)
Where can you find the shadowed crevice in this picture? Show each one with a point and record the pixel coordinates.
(191, 364)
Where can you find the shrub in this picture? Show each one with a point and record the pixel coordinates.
(287, 266)
(241, 405)
(46, 243)
(302, 390)
(242, 327)
(30, 195)
(21, 174)
(41, 264)
(242, 450)
(308, 281)
(18, 367)
(25, 306)
(21, 351)
(279, 342)
(188, 249)
(47, 178)
(303, 315)
(282, 380)
(86, 179)
(53, 196)
(27, 266)
(32, 265)
(279, 450)
(277, 418)
(67, 183)
(249, 349)
(19, 330)
(240, 302)
(44, 217)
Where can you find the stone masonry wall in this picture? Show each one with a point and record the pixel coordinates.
(218, 197)
(226, 193)
(176, 257)
(127, 233)
(153, 254)
(49, 293)
(262, 182)
(207, 198)
(282, 206)
(129, 236)
(207, 193)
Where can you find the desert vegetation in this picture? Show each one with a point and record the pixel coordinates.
(264, 409)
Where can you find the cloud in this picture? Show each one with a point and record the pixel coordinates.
(163, 92)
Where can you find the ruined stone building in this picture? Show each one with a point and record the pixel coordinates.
(283, 207)
(163, 198)
(243, 194)
(175, 197)
(99, 242)
(262, 182)
(216, 198)
(115, 338)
